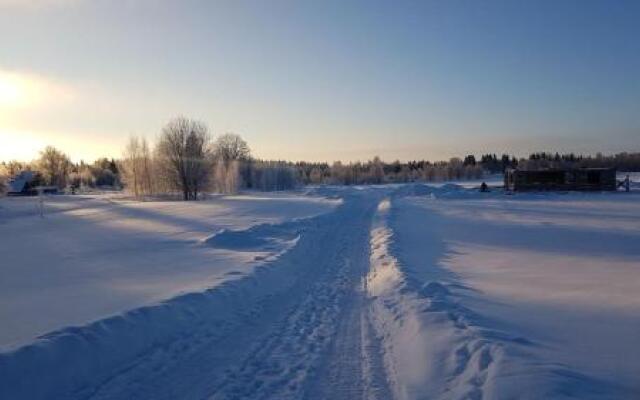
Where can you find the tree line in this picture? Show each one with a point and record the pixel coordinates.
(188, 160)
(376, 171)
(627, 162)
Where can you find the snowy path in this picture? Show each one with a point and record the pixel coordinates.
(316, 352)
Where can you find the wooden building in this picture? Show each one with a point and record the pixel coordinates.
(561, 179)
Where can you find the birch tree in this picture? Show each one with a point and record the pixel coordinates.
(137, 166)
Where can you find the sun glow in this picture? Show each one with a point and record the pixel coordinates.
(20, 91)
(13, 90)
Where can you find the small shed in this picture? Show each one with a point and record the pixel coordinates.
(596, 179)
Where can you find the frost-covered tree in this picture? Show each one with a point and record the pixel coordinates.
(3, 181)
(184, 155)
(14, 167)
(105, 172)
(231, 147)
(376, 170)
(316, 177)
(232, 163)
(54, 166)
(137, 167)
(227, 176)
(130, 166)
(273, 175)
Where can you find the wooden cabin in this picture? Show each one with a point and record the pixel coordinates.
(596, 179)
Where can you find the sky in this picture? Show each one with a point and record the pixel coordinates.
(322, 80)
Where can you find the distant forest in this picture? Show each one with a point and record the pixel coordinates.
(188, 161)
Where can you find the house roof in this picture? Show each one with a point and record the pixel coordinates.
(18, 182)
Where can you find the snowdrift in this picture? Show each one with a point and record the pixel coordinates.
(260, 238)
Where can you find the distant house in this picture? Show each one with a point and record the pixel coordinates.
(26, 183)
(561, 179)
(22, 184)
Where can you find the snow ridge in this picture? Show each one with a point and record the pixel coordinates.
(429, 345)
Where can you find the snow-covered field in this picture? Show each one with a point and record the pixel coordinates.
(95, 256)
(404, 291)
(525, 296)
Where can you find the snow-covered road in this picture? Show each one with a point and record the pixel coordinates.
(404, 292)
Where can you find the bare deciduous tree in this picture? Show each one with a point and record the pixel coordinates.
(146, 166)
(14, 167)
(137, 167)
(54, 166)
(231, 147)
(230, 150)
(184, 153)
(130, 166)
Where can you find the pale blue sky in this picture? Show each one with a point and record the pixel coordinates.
(323, 80)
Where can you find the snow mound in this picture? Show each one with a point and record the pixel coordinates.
(434, 290)
(264, 237)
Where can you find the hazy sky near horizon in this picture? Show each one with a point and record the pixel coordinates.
(323, 80)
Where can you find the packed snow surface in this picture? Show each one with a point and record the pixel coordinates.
(400, 291)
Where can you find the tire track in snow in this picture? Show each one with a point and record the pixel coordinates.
(353, 367)
(338, 376)
(279, 365)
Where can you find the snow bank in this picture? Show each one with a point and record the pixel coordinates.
(431, 348)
